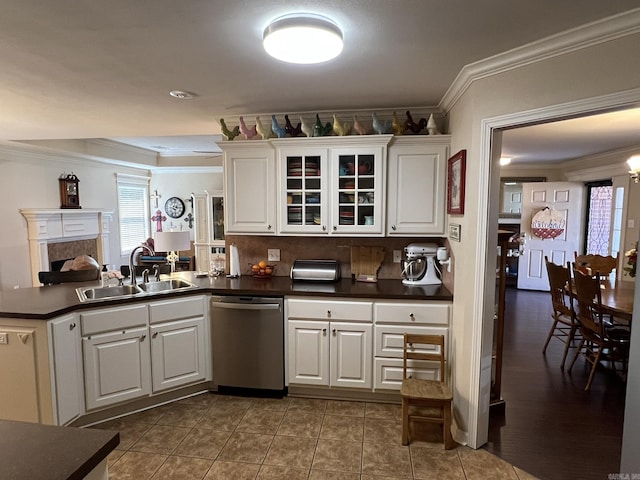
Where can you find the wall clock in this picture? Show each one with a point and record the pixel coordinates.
(69, 191)
(174, 207)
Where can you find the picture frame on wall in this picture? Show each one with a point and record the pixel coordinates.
(456, 171)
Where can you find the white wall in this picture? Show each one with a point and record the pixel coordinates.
(182, 185)
(30, 180)
(570, 77)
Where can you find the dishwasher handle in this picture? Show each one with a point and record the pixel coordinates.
(246, 306)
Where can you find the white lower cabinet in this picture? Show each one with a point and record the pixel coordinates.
(139, 350)
(350, 355)
(327, 352)
(392, 321)
(308, 352)
(66, 369)
(177, 353)
(117, 367)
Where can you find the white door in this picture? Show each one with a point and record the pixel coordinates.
(67, 368)
(308, 352)
(117, 367)
(564, 197)
(177, 353)
(351, 355)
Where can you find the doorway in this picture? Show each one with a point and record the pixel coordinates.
(491, 135)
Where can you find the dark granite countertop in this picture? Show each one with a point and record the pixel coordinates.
(31, 450)
(42, 303)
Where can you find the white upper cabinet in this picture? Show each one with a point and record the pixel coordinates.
(416, 188)
(249, 187)
(331, 185)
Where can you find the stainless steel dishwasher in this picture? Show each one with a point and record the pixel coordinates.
(248, 344)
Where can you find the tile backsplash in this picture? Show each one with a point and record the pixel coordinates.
(253, 249)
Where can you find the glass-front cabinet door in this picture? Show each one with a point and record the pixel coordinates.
(359, 194)
(303, 192)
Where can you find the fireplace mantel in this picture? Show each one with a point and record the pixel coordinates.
(50, 225)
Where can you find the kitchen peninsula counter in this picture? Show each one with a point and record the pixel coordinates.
(43, 303)
(29, 451)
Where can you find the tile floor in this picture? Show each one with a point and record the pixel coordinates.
(212, 436)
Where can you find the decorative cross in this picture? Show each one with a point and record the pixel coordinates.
(189, 219)
(155, 196)
(158, 218)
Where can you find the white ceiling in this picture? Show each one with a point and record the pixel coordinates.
(104, 69)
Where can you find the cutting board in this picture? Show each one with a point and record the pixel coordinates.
(365, 263)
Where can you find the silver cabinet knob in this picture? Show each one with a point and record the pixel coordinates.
(393, 227)
(328, 313)
(413, 319)
(155, 334)
(334, 332)
(142, 338)
(72, 326)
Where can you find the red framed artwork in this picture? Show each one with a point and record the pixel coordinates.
(456, 170)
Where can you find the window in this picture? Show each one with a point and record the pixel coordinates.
(599, 211)
(133, 211)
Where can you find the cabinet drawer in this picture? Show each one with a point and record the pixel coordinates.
(333, 310)
(119, 318)
(388, 372)
(176, 309)
(434, 313)
(389, 339)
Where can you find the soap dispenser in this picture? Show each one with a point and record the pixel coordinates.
(104, 276)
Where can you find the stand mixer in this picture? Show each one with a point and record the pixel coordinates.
(419, 268)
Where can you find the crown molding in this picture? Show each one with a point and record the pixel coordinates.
(594, 33)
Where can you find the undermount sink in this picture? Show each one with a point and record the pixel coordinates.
(97, 293)
(165, 285)
(105, 293)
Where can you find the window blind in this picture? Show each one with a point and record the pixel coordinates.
(133, 208)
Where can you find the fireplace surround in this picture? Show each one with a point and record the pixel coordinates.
(51, 226)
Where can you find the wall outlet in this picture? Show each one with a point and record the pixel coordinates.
(397, 256)
(4, 338)
(273, 254)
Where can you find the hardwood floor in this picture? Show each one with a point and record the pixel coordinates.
(550, 426)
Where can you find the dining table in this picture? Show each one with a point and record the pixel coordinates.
(617, 298)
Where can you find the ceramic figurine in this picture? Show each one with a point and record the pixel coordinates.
(290, 129)
(360, 128)
(264, 132)
(277, 129)
(229, 134)
(320, 130)
(413, 126)
(340, 128)
(306, 129)
(248, 133)
(396, 125)
(380, 127)
(432, 128)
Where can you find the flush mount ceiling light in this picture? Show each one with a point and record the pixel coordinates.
(303, 38)
(505, 161)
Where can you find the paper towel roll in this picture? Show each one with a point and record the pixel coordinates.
(234, 261)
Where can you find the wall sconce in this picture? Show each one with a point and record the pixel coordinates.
(634, 166)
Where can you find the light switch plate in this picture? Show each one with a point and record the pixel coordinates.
(4, 338)
(273, 254)
(397, 256)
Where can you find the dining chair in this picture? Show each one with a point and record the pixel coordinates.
(432, 398)
(604, 265)
(565, 326)
(599, 341)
